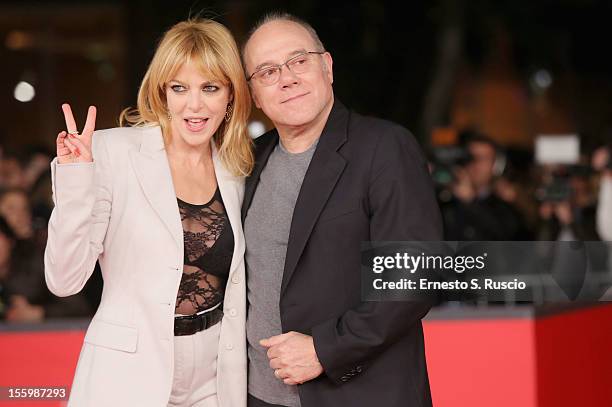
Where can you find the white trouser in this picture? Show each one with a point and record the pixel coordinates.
(195, 369)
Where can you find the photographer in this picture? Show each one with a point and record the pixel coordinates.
(568, 206)
(475, 210)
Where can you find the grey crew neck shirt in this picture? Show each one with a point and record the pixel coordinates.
(266, 230)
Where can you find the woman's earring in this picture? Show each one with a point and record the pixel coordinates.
(169, 117)
(228, 112)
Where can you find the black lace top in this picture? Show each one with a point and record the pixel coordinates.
(209, 245)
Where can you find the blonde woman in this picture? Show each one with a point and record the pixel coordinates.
(158, 204)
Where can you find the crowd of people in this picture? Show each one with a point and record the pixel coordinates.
(25, 207)
(483, 200)
(490, 197)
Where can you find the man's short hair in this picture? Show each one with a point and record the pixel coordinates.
(469, 136)
(283, 16)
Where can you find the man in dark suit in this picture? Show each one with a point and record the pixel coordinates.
(325, 180)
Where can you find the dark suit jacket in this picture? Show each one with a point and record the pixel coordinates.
(367, 181)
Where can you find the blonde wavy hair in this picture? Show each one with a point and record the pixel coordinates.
(213, 49)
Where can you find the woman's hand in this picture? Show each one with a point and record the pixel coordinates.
(73, 147)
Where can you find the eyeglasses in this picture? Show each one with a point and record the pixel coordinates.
(269, 75)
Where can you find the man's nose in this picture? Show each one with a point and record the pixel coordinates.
(288, 78)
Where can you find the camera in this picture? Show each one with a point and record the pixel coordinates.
(556, 186)
(443, 161)
(559, 156)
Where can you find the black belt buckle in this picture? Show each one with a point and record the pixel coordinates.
(191, 324)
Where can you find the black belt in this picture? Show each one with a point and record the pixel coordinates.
(190, 324)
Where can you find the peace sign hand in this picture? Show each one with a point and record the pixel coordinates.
(73, 147)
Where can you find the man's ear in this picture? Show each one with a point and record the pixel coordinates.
(328, 64)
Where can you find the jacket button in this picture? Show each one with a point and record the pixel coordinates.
(235, 279)
(233, 312)
(229, 346)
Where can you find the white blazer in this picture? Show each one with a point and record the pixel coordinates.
(122, 210)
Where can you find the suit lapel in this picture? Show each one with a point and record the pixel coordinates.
(262, 155)
(230, 189)
(150, 164)
(323, 173)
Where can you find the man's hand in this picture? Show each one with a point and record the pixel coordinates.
(293, 357)
(462, 187)
(600, 158)
(22, 311)
(563, 212)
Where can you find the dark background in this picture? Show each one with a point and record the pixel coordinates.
(429, 64)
